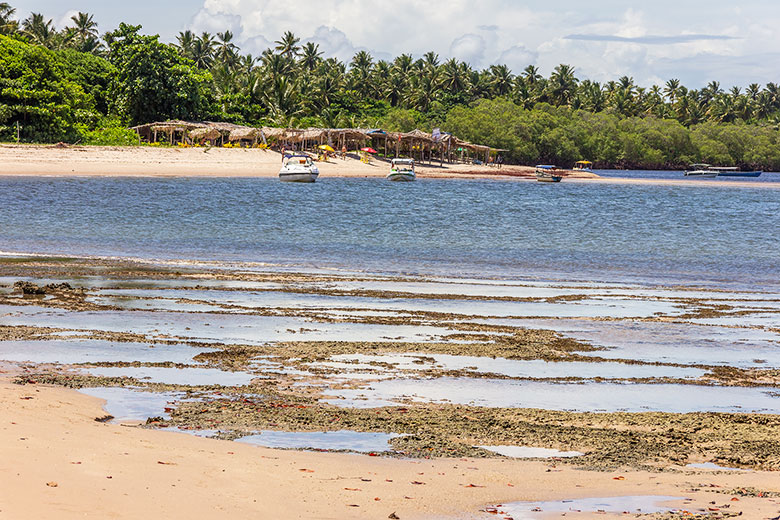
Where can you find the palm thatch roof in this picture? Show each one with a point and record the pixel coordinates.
(205, 133)
(245, 133)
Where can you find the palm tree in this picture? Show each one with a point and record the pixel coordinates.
(203, 51)
(360, 71)
(310, 57)
(39, 30)
(7, 24)
(225, 50)
(85, 26)
(501, 79)
(454, 78)
(672, 90)
(563, 84)
(431, 59)
(288, 45)
(403, 64)
(186, 41)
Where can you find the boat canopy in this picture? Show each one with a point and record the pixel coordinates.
(405, 162)
(301, 158)
(546, 166)
(583, 163)
(698, 166)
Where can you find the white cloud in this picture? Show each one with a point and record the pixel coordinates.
(469, 48)
(518, 57)
(646, 43)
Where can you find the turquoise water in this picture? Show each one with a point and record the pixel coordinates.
(483, 228)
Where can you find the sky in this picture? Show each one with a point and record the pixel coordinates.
(735, 43)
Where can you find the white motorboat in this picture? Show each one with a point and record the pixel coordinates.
(701, 170)
(298, 168)
(402, 170)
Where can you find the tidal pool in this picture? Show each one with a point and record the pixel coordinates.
(225, 328)
(127, 404)
(578, 397)
(510, 367)
(175, 376)
(528, 452)
(75, 351)
(363, 442)
(613, 505)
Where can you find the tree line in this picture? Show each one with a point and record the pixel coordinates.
(74, 83)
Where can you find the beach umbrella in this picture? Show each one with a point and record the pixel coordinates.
(368, 150)
(327, 148)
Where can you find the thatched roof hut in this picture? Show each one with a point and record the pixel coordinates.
(245, 133)
(205, 132)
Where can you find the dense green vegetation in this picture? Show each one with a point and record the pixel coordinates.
(72, 84)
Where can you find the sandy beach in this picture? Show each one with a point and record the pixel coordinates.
(59, 462)
(146, 161)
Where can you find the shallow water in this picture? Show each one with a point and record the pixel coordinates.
(459, 228)
(613, 505)
(527, 452)
(584, 397)
(364, 442)
(127, 404)
(588, 307)
(671, 342)
(243, 329)
(512, 368)
(94, 351)
(175, 376)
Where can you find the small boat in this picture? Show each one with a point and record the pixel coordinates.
(701, 170)
(733, 171)
(548, 173)
(298, 168)
(401, 170)
(583, 166)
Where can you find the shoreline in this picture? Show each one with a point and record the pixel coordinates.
(62, 461)
(22, 160)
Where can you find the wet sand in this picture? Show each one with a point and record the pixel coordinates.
(59, 462)
(435, 469)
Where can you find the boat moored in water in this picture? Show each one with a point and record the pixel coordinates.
(298, 168)
(583, 166)
(548, 173)
(733, 171)
(705, 170)
(701, 170)
(401, 170)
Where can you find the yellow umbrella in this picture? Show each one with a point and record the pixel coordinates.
(327, 148)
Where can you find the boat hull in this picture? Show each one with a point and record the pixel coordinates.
(298, 173)
(401, 177)
(298, 176)
(702, 174)
(549, 178)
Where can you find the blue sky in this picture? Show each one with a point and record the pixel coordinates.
(736, 43)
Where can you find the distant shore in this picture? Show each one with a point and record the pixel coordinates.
(145, 161)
